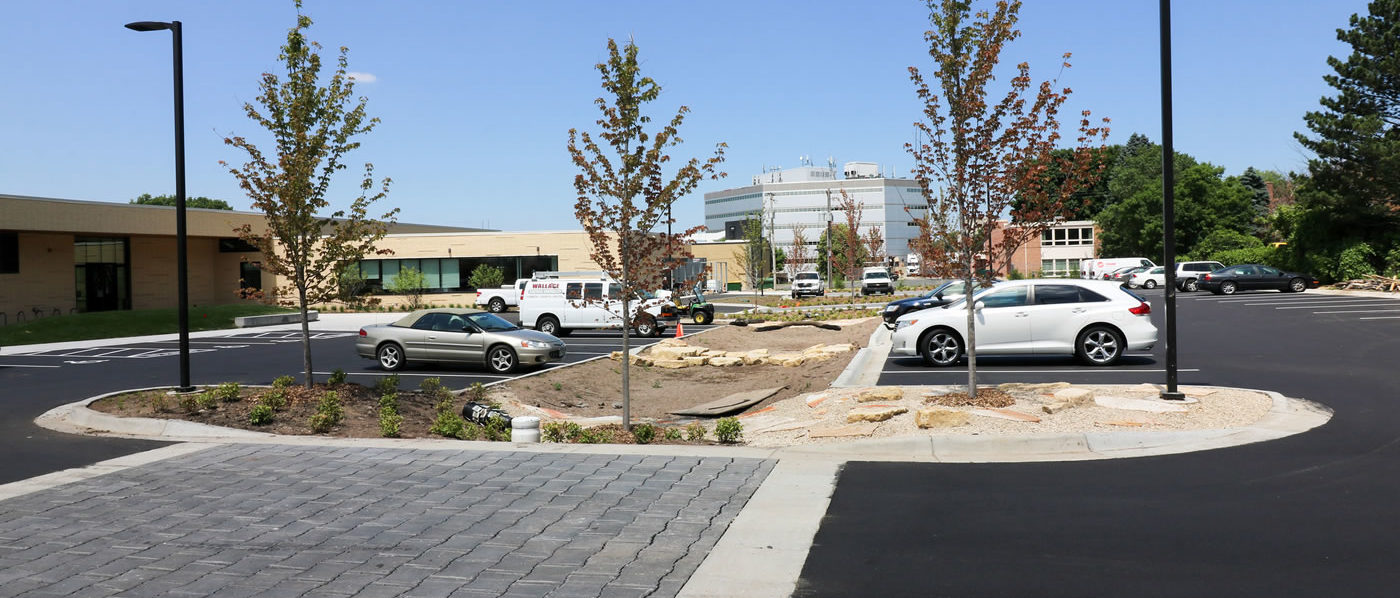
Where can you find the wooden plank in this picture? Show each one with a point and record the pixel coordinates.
(730, 404)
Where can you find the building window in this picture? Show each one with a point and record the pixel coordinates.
(249, 276)
(102, 277)
(9, 253)
(445, 275)
(235, 245)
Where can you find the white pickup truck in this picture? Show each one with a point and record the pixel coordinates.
(499, 300)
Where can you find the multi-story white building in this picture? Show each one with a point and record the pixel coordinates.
(808, 196)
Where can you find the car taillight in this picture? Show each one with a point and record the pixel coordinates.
(1142, 309)
(1206, 277)
(363, 333)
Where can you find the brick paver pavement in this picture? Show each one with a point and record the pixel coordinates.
(286, 521)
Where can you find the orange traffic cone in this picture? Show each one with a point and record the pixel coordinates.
(680, 331)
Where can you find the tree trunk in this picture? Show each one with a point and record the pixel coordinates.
(626, 345)
(305, 336)
(968, 281)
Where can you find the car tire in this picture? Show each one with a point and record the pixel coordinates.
(1297, 285)
(1099, 346)
(496, 305)
(940, 347)
(548, 325)
(1228, 288)
(1191, 285)
(390, 356)
(501, 359)
(648, 328)
(702, 317)
(1151, 284)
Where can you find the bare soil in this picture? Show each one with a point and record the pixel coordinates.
(594, 389)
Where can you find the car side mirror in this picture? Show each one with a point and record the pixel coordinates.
(979, 305)
(939, 295)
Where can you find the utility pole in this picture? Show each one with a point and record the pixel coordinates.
(772, 241)
(829, 282)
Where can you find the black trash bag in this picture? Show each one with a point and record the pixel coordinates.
(482, 414)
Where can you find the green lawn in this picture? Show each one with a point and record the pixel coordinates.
(109, 324)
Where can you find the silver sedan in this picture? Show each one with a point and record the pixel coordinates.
(457, 336)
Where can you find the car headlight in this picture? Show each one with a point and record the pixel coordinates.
(902, 324)
(535, 344)
(891, 307)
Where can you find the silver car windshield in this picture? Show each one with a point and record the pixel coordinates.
(491, 322)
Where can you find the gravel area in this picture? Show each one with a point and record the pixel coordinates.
(807, 419)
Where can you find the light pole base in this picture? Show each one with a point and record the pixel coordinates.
(1172, 396)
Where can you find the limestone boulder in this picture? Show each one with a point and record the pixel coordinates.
(1074, 396)
(669, 364)
(696, 360)
(1042, 388)
(874, 413)
(941, 418)
(882, 393)
(725, 361)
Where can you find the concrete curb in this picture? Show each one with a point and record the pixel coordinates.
(274, 319)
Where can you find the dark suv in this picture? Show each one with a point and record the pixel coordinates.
(943, 295)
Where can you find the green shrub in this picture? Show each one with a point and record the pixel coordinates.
(328, 413)
(434, 389)
(276, 399)
(283, 382)
(495, 430)
(390, 400)
(644, 433)
(208, 399)
(673, 434)
(1392, 262)
(695, 432)
(450, 425)
(728, 430)
(387, 384)
(260, 414)
(188, 401)
(389, 421)
(560, 431)
(337, 377)
(1249, 255)
(477, 393)
(1355, 262)
(159, 404)
(227, 392)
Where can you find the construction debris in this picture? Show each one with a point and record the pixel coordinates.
(1372, 282)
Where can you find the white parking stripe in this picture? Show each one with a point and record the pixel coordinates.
(995, 371)
(1381, 318)
(422, 375)
(1319, 299)
(16, 365)
(1357, 303)
(1357, 311)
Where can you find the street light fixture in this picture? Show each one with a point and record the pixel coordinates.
(182, 264)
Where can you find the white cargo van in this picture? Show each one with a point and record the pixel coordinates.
(558, 303)
(1098, 268)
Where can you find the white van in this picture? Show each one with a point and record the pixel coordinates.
(1098, 268)
(558, 303)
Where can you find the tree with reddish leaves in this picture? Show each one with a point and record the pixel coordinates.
(984, 157)
(852, 255)
(625, 195)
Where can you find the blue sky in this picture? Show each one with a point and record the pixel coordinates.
(477, 98)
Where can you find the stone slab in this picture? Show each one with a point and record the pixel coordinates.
(730, 404)
(1148, 405)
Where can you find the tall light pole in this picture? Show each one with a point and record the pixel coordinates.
(1168, 201)
(182, 265)
(772, 240)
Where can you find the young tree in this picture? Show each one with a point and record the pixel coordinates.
(875, 246)
(851, 255)
(623, 193)
(410, 283)
(982, 153)
(752, 258)
(312, 127)
(487, 276)
(801, 254)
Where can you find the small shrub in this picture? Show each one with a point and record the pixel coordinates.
(283, 382)
(260, 414)
(276, 399)
(554, 432)
(644, 433)
(695, 432)
(673, 434)
(328, 413)
(450, 425)
(389, 421)
(728, 430)
(1355, 262)
(337, 377)
(227, 392)
(477, 393)
(189, 401)
(495, 430)
(159, 404)
(387, 384)
(390, 401)
(434, 389)
(558, 386)
(208, 399)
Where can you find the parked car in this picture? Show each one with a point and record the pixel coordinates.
(1188, 274)
(876, 280)
(1248, 277)
(501, 299)
(1149, 279)
(946, 293)
(1097, 321)
(453, 335)
(1122, 275)
(808, 283)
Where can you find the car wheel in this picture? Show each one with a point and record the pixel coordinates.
(702, 317)
(1191, 285)
(1099, 345)
(548, 325)
(1297, 285)
(390, 357)
(497, 305)
(940, 347)
(1228, 288)
(501, 359)
(1151, 284)
(647, 327)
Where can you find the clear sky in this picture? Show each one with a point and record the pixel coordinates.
(477, 98)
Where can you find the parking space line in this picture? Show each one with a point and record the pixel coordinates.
(18, 365)
(1357, 311)
(1381, 318)
(1320, 299)
(995, 371)
(422, 375)
(1381, 302)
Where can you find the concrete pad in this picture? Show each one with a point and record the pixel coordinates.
(1148, 405)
